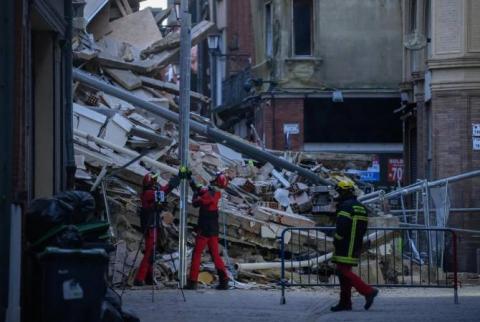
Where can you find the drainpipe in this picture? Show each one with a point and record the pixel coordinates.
(7, 64)
(69, 160)
(274, 121)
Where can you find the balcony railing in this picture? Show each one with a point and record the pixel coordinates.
(233, 91)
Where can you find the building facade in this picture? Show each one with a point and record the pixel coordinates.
(323, 76)
(36, 158)
(442, 103)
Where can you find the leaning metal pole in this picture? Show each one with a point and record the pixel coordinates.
(185, 49)
(369, 198)
(211, 132)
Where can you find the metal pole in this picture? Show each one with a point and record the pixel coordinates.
(14, 310)
(185, 48)
(206, 130)
(69, 162)
(410, 211)
(455, 268)
(8, 67)
(426, 208)
(213, 82)
(419, 186)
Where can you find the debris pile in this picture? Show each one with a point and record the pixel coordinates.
(117, 143)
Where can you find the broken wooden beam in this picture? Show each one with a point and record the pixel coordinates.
(199, 32)
(171, 88)
(126, 78)
(119, 149)
(159, 17)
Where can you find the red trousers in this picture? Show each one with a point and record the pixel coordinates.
(200, 243)
(347, 280)
(145, 268)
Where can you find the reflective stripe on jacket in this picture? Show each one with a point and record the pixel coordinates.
(351, 226)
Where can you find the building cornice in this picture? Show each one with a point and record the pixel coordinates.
(456, 86)
(448, 63)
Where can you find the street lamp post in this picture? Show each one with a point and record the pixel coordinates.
(213, 49)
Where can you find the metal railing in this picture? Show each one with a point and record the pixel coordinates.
(233, 89)
(391, 257)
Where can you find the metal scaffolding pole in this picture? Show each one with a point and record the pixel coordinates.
(207, 130)
(185, 49)
(369, 198)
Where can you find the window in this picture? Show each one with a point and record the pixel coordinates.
(268, 30)
(413, 15)
(302, 27)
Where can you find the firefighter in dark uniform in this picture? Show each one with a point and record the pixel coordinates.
(153, 199)
(207, 199)
(351, 226)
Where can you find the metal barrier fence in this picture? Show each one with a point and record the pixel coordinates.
(391, 257)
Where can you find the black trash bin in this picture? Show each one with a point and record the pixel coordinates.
(73, 284)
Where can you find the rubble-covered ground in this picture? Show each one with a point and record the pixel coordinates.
(117, 143)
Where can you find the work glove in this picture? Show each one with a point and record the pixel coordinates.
(195, 187)
(174, 181)
(184, 173)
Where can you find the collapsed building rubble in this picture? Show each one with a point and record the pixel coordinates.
(117, 143)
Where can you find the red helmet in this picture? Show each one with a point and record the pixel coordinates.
(221, 181)
(149, 180)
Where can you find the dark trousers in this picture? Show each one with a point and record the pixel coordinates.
(349, 279)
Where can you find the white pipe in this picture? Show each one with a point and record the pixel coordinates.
(15, 267)
(288, 264)
(119, 149)
(100, 177)
(312, 262)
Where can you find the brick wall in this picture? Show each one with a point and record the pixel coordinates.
(273, 114)
(239, 28)
(452, 116)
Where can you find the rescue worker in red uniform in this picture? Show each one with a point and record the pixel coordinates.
(207, 199)
(351, 226)
(153, 199)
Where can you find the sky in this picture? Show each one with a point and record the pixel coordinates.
(153, 4)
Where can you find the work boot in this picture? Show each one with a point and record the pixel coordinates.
(223, 281)
(341, 307)
(369, 299)
(150, 281)
(191, 285)
(138, 283)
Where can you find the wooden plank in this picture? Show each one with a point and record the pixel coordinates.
(288, 219)
(172, 41)
(144, 66)
(126, 78)
(171, 88)
(157, 61)
(138, 29)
